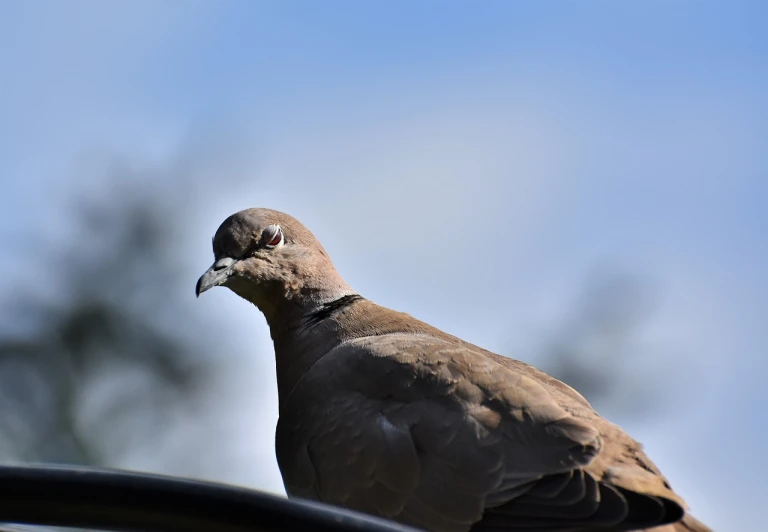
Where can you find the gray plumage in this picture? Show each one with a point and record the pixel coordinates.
(385, 414)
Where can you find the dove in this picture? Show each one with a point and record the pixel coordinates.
(384, 414)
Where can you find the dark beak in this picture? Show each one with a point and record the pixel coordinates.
(216, 275)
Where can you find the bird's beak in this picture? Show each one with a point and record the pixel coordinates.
(216, 275)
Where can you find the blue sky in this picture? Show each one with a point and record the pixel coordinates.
(468, 163)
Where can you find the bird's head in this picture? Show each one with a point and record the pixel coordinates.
(270, 259)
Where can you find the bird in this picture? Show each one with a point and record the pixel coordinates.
(382, 413)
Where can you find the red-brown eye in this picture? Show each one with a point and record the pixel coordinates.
(273, 235)
(275, 241)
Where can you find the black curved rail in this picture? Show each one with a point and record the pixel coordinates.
(105, 499)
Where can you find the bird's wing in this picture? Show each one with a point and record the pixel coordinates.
(434, 433)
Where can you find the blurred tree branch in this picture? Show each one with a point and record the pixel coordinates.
(98, 364)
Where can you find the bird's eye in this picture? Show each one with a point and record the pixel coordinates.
(273, 235)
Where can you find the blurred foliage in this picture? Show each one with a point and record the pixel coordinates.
(98, 364)
(597, 349)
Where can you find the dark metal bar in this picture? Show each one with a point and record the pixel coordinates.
(106, 499)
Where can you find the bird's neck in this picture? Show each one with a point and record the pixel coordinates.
(304, 338)
(286, 303)
(299, 346)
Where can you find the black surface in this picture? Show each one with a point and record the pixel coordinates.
(105, 499)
